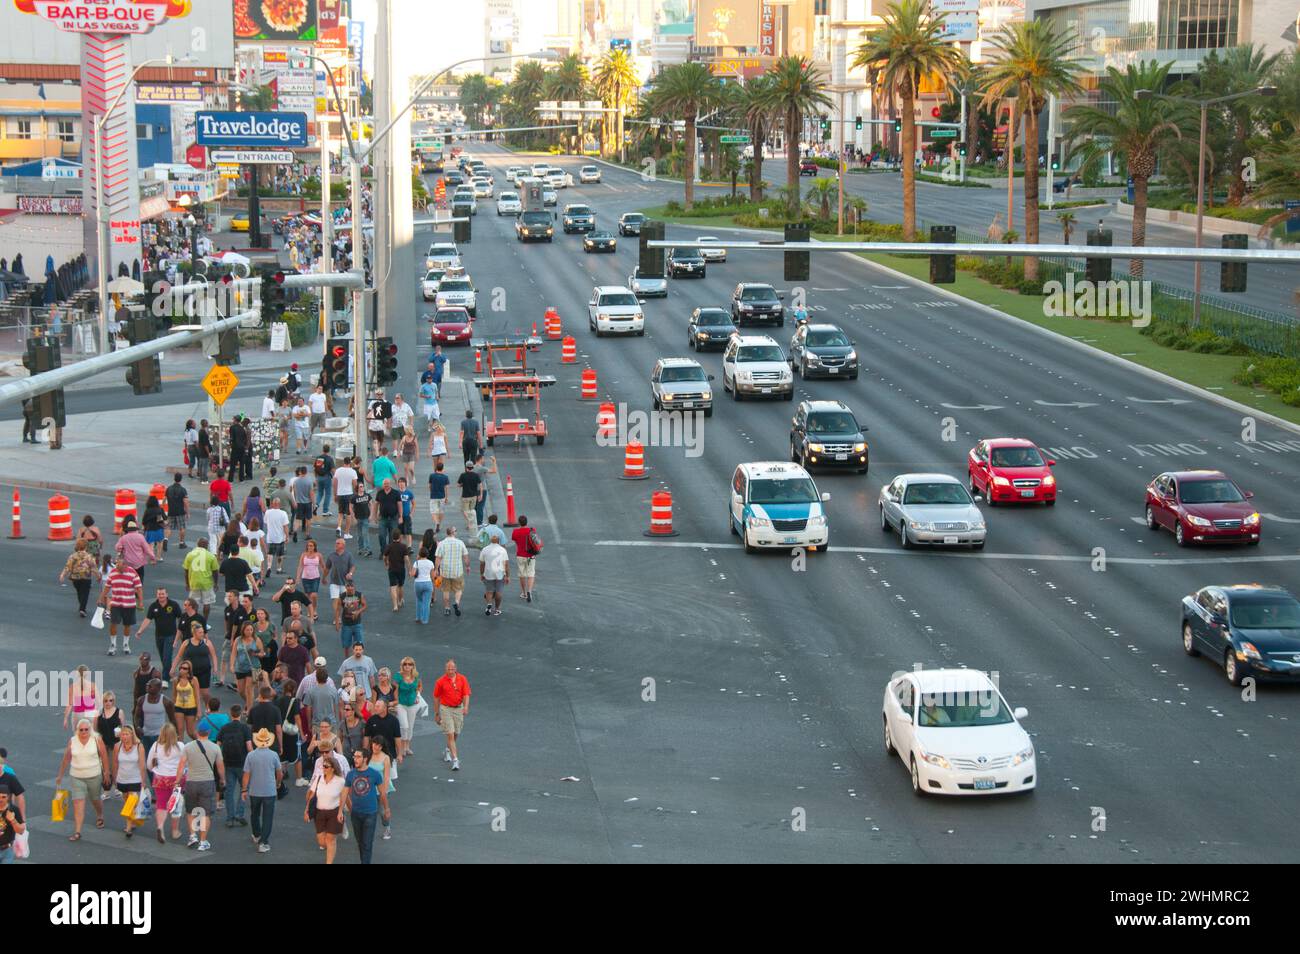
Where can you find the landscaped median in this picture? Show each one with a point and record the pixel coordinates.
(1167, 346)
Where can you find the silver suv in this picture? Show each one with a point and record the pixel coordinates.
(755, 364)
(681, 384)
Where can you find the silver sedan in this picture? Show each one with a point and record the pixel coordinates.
(647, 287)
(931, 509)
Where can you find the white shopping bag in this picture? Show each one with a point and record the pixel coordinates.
(97, 620)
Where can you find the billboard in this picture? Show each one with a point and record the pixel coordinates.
(964, 27)
(275, 20)
(726, 23)
(203, 34)
(174, 93)
(250, 130)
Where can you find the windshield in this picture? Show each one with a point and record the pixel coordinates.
(455, 285)
(433, 276)
(760, 353)
(1266, 614)
(442, 250)
(758, 294)
(579, 210)
(682, 374)
(836, 422)
(936, 494)
(589, 169)
(686, 253)
(618, 298)
(792, 490)
(833, 338)
(714, 317)
(508, 197)
(634, 217)
(537, 218)
(961, 709)
(600, 235)
(1016, 457)
(451, 316)
(1209, 491)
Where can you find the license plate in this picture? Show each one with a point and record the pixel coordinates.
(841, 456)
(789, 540)
(833, 370)
(767, 390)
(951, 539)
(452, 337)
(1026, 493)
(688, 404)
(985, 784)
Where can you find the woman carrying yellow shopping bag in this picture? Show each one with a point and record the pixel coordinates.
(128, 770)
(87, 758)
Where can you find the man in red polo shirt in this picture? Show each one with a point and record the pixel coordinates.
(220, 488)
(451, 693)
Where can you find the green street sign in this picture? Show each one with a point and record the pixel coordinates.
(733, 139)
(428, 144)
(943, 134)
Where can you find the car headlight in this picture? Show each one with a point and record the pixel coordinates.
(1251, 521)
(1024, 755)
(918, 525)
(1249, 651)
(933, 759)
(813, 359)
(1196, 521)
(1049, 481)
(977, 525)
(860, 447)
(602, 317)
(851, 356)
(744, 307)
(759, 522)
(1001, 481)
(550, 231)
(743, 376)
(818, 523)
(816, 448)
(702, 335)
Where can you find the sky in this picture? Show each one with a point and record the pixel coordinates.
(436, 41)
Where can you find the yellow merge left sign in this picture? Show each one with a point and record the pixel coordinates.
(220, 382)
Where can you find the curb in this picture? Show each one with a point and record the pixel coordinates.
(1105, 355)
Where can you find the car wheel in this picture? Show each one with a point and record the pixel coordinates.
(1189, 641)
(903, 538)
(889, 741)
(735, 393)
(884, 521)
(749, 547)
(780, 322)
(1230, 668)
(641, 333)
(690, 343)
(1178, 535)
(1151, 520)
(1050, 503)
(656, 405)
(708, 411)
(853, 376)
(971, 485)
(789, 395)
(917, 790)
(541, 439)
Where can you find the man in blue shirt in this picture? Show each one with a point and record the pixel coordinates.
(215, 718)
(363, 796)
(383, 468)
(408, 501)
(438, 482)
(437, 364)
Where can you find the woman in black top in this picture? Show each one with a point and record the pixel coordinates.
(199, 652)
(265, 630)
(204, 451)
(154, 523)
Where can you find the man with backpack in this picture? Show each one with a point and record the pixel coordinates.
(323, 470)
(528, 544)
(236, 741)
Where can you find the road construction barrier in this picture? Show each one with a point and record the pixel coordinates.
(661, 515)
(60, 518)
(16, 533)
(123, 506)
(478, 361)
(634, 461)
(589, 384)
(554, 327)
(606, 420)
(159, 493)
(511, 520)
(569, 350)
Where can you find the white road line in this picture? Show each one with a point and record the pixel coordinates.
(967, 555)
(1273, 516)
(550, 515)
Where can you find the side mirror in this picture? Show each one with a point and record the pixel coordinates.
(781, 295)
(1020, 713)
(1051, 463)
(826, 498)
(1250, 494)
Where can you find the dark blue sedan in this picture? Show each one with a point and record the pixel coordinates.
(1251, 630)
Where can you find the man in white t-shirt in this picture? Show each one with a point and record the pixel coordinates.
(277, 533)
(403, 414)
(345, 486)
(494, 571)
(268, 406)
(318, 404)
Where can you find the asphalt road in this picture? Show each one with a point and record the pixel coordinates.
(683, 701)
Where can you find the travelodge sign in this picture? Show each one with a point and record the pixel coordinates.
(105, 16)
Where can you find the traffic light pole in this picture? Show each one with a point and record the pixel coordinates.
(358, 316)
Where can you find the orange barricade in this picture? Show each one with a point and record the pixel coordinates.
(634, 461)
(661, 515)
(606, 420)
(589, 384)
(60, 518)
(123, 506)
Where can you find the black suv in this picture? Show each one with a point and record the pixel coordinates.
(754, 303)
(825, 433)
(685, 261)
(578, 218)
(823, 351)
(709, 328)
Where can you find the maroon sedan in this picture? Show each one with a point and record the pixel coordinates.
(450, 326)
(1202, 506)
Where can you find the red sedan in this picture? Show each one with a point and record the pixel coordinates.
(1011, 470)
(450, 326)
(1202, 506)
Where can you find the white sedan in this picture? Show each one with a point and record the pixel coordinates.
(957, 735)
(508, 204)
(710, 250)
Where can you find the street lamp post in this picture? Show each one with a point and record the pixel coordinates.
(1204, 106)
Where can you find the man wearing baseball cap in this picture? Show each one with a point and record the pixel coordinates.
(262, 777)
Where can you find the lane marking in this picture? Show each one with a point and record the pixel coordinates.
(1160, 401)
(1078, 404)
(973, 407)
(550, 515)
(1014, 557)
(1273, 516)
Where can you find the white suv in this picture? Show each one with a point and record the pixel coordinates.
(441, 255)
(755, 364)
(616, 310)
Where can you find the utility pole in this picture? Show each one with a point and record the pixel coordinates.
(1011, 161)
(1051, 146)
(326, 224)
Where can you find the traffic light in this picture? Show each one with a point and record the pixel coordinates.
(826, 124)
(797, 264)
(1056, 162)
(857, 123)
(1098, 269)
(651, 262)
(334, 369)
(961, 149)
(385, 362)
(158, 301)
(145, 375)
(1232, 275)
(228, 347)
(898, 125)
(943, 268)
(273, 296)
(44, 355)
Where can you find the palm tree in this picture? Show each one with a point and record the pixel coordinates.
(1133, 127)
(750, 103)
(474, 97)
(522, 96)
(1066, 220)
(795, 93)
(1031, 60)
(903, 50)
(616, 82)
(858, 206)
(568, 81)
(1238, 69)
(821, 192)
(684, 91)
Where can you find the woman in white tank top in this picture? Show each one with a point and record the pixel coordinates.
(128, 767)
(86, 762)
